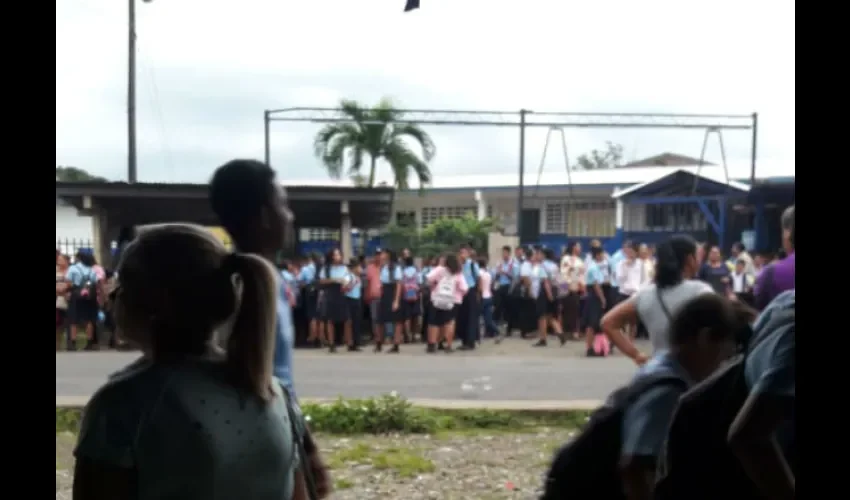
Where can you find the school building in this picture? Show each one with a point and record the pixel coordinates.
(644, 202)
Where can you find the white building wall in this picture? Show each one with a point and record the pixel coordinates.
(70, 225)
(580, 213)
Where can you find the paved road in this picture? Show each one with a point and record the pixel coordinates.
(516, 372)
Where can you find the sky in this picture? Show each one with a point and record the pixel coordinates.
(208, 68)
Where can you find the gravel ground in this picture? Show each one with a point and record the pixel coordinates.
(463, 466)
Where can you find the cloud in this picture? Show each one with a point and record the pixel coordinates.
(207, 70)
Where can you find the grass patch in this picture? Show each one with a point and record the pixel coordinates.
(402, 461)
(393, 414)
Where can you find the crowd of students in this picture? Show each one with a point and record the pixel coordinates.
(215, 383)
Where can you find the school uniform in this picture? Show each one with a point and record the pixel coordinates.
(593, 308)
(354, 300)
(516, 295)
(411, 286)
(467, 315)
(542, 304)
(333, 307)
(389, 281)
(503, 274)
(426, 297)
(572, 274)
(614, 264)
(526, 302)
(742, 287)
(309, 295)
(82, 307)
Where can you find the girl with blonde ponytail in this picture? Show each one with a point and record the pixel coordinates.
(161, 427)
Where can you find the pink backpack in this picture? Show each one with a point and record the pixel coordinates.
(601, 344)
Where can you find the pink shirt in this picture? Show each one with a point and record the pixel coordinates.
(461, 287)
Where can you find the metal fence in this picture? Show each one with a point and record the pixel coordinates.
(70, 246)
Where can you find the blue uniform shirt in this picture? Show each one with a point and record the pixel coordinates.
(307, 274)
(355, 290)
(385, 275)
(77, 274)
(594, 274)
(338, 272)
(470, 273)
(614, 262)
(506, 271)
(284, 338)
(647, 419)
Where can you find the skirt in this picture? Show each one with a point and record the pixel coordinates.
(527, 314)
(542, 305)
(593, 310)
(82, 311)
(572, 312)
(410, 309)
(441, 317)
(334, 306)
(385, 307)
(310, 297)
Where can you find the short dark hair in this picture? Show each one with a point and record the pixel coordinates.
(85, 258)
(708, 312)
(238, 191)
(506, 248)
(452, 264)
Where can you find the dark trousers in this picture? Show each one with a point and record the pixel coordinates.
(466, 324)
(500, 302)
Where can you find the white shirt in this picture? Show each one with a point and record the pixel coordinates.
(741, 282)
(631, 276)
(572, 271)
(485, 278)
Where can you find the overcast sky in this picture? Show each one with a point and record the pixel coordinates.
(208, 68)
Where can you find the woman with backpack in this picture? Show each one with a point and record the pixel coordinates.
(448, 287)
(655, 304)
(83, 306)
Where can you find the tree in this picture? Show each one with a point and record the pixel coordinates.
(611, 157)
(74, 174)
(443, 235)
(373, 132)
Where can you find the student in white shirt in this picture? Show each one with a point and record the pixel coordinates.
(573, 270)
(742, 283)
(631, 276)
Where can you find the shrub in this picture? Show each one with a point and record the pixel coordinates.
(394, 414)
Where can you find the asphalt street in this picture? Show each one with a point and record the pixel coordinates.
(510, 371)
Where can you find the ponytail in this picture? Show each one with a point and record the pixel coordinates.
(250, 347)
(671, 257)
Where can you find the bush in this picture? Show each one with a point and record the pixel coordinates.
(394, 414)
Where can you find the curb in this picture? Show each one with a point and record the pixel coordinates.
(437, 404)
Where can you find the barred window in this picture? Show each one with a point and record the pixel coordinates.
(555, 220)
(591, 219)
(431, 214)
(318, 234)
(406, 218)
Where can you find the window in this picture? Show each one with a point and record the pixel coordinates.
(318, 234)
(555, 220)
(405, 219)
(591, 219)
(674, 217)
(431, 214)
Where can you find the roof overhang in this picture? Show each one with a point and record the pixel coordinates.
(682, 180)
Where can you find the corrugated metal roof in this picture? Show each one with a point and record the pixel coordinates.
(611, 177)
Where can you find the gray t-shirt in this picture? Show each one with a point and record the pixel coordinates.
(652, 313)
(190, 434)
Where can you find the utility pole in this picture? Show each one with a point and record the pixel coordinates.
(131, 91)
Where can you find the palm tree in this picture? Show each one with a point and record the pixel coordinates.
(374, 132)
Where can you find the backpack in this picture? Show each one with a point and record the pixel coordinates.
(410, 288)
(443, 296)
(88, 287)
(588, 466)
(693, 461)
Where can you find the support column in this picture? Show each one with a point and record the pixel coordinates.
(481, 204)
(619, 213)
(345, 231)
(102, 243)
